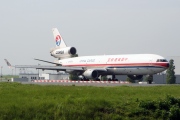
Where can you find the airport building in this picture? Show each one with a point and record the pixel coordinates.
(29, 77)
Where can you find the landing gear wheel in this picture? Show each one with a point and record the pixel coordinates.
(97, 79)
(116, 79)
(109, 79)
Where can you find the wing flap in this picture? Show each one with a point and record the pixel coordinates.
(47, 61)
(59, 68)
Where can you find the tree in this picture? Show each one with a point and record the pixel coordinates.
(170, 74)
(149, 78)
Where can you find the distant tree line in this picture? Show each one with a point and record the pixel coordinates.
(170, 73)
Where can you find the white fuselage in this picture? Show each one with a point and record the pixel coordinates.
(127, 64)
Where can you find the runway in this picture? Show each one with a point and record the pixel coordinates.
(87, 83)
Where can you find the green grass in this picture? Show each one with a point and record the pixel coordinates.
(37, 102)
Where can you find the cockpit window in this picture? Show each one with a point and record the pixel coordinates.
(161, 60)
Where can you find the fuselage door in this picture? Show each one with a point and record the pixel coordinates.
(150, 62)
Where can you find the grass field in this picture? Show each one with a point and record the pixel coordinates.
(38, 102)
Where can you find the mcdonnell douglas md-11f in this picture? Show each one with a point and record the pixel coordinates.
(91, 67)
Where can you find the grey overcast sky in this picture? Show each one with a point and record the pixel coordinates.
(94, 27)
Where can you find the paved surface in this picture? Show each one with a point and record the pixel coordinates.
(88, 83)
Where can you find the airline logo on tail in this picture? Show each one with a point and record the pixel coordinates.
(58, 40)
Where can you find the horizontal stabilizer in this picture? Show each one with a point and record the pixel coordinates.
(47, 61)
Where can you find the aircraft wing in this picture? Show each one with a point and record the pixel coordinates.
(65, 68)
(58, 68)
(47, 61)
(8, 63)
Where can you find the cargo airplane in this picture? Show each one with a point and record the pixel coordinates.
(91, 67)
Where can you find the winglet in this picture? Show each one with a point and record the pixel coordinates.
(8, 63)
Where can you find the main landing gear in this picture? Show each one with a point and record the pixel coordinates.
(98, 79)
(113, 78)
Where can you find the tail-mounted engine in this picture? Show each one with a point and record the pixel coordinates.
(63, 52)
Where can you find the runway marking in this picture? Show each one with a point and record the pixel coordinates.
(71, 81)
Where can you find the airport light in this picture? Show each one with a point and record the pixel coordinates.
(15, 71)
(38, 72)
(1, 72)
(12, 72)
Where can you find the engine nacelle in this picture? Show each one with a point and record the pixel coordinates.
(90, 73)
(63, 52)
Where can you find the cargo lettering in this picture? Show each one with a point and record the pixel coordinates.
(116, 59)
(60, 52)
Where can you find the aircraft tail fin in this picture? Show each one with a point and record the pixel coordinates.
(8, 63)
(58, 39)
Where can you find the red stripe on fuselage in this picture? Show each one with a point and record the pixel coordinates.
(125, 64)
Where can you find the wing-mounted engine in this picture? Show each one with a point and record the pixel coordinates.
(63, 52)
(90, 73)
